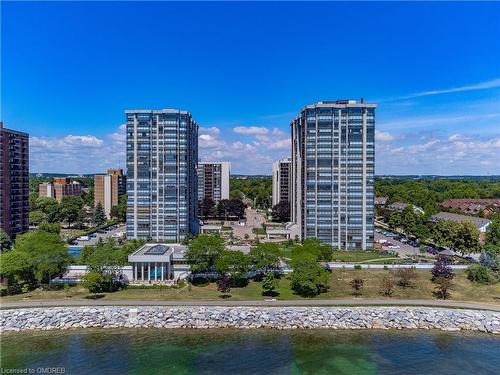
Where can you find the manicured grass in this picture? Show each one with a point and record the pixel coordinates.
(462, 290)
(357, 256)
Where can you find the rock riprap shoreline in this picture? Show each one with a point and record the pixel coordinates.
(200, 317)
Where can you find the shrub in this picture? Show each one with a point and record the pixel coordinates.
(442, 286)
(387, 286)
(442, 269)
(357, 284)
(357, 267)
(93, 281)
(479, 274)
(405, 276)
(224, 286)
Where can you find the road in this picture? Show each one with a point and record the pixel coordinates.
(94, 240)
(326, 302)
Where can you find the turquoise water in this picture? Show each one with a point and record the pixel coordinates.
(172, 352)
(74, 251)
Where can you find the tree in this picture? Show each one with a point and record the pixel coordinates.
(357, 284)
(442, 286)
(263, 200)
(5, 241)
(281, 212)
(270, 283)
(308, 278)
(122, 207)
(387, 286)
(406, 276)
(394, 220)
(50, 207)
(224, 286)
(47, 252)
(98, 216)
(203, 251)
(232, 263)
(115, 212)
(231, 208)
(490, 259)
(263, 257)
(493, 232)
(442, 268)
(16, 268)
(70, 209)
(466, 238)
(36, 217)
(93, 281)
(409, 219)
(50, 227)
(207, 207)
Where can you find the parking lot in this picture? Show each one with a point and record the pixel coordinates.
(95, 237)
(404, 249)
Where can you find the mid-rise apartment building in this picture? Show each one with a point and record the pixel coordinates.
(213, 180)
(333, 151)
(109, 188)
(282, 175)
(162, 155)
(60, 188)
(14, 181)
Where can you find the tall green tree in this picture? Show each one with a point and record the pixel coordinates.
(203, 251)
(232, 263)
(98, 216)
(5, 241)
(308, 278)
(47, 252)
(270, 284)
(493, 232)
(70, 209)
(264, 257)
(281, 212)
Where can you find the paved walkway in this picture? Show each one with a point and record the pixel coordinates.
(333, 302)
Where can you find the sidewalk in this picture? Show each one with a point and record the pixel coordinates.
(270, 303)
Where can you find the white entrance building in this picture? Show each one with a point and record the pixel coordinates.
(158, 264)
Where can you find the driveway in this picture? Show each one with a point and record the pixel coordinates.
(94, 240)
(254, 219)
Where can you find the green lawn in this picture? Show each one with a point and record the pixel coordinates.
(462, 290)
(357, 256)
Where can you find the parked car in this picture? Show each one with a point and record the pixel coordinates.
(393, 247)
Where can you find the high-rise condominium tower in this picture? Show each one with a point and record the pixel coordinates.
(333, 155)
(282, 175)
(14, 181)
(213, 180)
(162, 153)
(109, 188)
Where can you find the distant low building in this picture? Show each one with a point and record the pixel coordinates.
(60, 188)
(399, 206)
(472, 206)
(480, 223)
(381, 201)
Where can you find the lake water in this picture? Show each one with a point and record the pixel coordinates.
(228, 352)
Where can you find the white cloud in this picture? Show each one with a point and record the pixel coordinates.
(250, 130)
(213, 131)
(454, 154)
(485, 85)
(383, 136)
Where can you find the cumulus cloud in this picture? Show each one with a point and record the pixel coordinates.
(383, 136)
(213, 131)
(452, 154)
(251, 130)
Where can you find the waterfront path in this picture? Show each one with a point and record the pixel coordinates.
(260, 303)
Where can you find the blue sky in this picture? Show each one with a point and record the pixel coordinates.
(244, 70)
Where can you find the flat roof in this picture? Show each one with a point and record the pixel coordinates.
(156, 252)
(157, 111)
